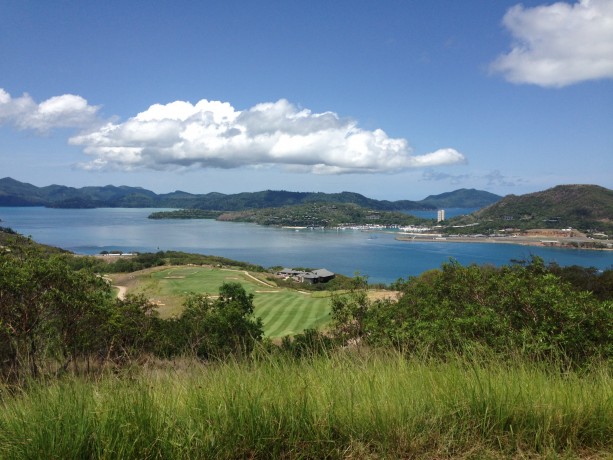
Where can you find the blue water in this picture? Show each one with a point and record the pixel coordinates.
(377, 255)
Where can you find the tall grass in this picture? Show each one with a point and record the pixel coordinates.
(348, 405)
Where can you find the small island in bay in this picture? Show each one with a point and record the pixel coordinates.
(185, 214)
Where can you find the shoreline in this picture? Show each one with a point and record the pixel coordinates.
(563, 243)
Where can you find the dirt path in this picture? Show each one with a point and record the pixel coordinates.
(258, 280)
(121, 294)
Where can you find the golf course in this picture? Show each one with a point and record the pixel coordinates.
(283, 311)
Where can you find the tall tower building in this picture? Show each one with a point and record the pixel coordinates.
(440, 215)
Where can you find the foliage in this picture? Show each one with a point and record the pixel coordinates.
(600, 283)
(185, 214)
(515, 309)
(142, 261)
(47, 309)
(308, 343)
(216, 328)
(350, 310)
(132, 330)
(52, 315)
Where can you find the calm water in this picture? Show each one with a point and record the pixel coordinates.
(378, 255)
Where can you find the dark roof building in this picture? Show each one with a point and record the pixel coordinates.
(316, 276)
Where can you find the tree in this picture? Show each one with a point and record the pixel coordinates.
(349, 311)
(47, 310)
(517, 308)
(219, 327)
(132, 328)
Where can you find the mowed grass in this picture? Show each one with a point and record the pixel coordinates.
(283, 311)
(290, 312)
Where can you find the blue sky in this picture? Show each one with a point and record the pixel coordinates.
(392, 99)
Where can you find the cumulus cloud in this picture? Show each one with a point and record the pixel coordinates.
(213, 134)
(66, 111)
(559, 44)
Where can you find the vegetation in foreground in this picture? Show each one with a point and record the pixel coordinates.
(52, 313)
(343, 405)
(468, 362)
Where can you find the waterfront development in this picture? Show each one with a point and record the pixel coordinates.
(379, 255)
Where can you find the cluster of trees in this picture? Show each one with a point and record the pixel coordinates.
(145, 260)
(53, 316)
(185, 214)
(518, 309)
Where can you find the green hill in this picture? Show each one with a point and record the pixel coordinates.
(462, 198)
(15, 193)
(321, 215)
(584, 207)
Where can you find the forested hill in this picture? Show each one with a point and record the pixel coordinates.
(462, 198)
(15, 193)
(586, 207)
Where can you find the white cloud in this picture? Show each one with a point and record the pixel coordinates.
(214, 134)
(559, 44)
(66, 111)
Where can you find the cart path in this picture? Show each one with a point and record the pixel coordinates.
(121, 294)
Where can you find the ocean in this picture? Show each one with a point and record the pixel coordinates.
(377, 255)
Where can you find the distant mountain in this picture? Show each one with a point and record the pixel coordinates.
(585, 207)
(15, 193)
(462, 198)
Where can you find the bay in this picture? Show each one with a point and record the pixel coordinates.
(378, 255)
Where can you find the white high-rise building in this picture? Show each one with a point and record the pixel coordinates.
(440, 215)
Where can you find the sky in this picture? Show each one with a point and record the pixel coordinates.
(395, 99)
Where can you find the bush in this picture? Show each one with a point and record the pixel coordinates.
(515, 309)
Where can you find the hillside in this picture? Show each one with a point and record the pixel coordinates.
(585, 207)
(462, 198)
(15, 193)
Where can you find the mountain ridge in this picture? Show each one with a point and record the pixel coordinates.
(15, 193)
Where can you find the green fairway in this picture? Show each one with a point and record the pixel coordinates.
(290, 312)
(283, 311)
(183, 280)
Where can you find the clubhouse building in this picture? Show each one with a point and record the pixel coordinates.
(316, 276)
